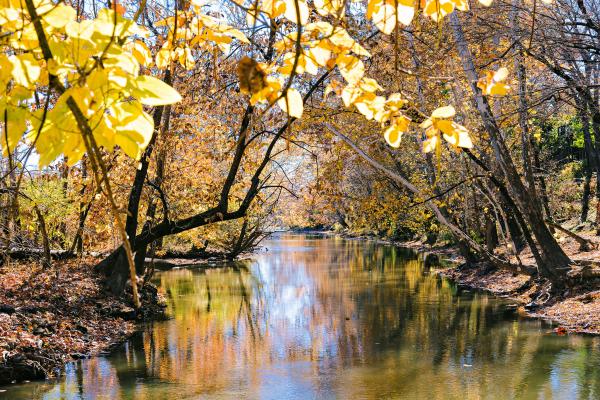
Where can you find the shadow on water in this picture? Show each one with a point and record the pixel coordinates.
(318, 317)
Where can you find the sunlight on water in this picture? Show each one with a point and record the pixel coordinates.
(332, 318)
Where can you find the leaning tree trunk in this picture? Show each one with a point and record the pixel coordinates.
(589, 164)
(491, 233)
(119, 270)
(140, 255)
(596, 129)
(554, 262)
(529, 151)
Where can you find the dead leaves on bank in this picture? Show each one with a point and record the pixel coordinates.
(49, 317)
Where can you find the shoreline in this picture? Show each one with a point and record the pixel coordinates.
(52, 316)
(575, 311)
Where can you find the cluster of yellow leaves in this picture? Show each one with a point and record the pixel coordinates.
(492, 84)
(98, 62)
(90, 62)
(386, 111)
(323, 45)
(385, 14)
(440, 122)
(295, 11)
(192, 30)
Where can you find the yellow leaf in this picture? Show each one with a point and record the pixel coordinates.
(116, 58)
(486, 3)
(333, 7)
(370, 85)
(141, 52)
(83, 98)
(438, 9)
(364, 107)
(430, 144)
(163, 57)
(501, 74)
(15, 128)
(8, 16)
(350, 94)
(309, 65)
(443, 112)
(384, 18)
(319, 55)
(395, 101)
(251, 16)
(351, 67)
(492, 85)
(498, 89)
(154, 92)
(105, 135)
(393, 135)
(134, 127)
(320, 26)
(290, 11)
(273, 7)
(455, 134)
(25, 69)
(333, 86)
(80, 30)
(292, 103)
(118, 77)
(406, 13)
(236, 34)
(402, 122)
(60, 15)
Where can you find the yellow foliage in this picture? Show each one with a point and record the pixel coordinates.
(492, 84)
(440, 123)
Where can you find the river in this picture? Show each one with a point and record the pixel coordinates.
(329, 318)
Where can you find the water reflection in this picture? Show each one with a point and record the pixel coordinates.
(332, 318)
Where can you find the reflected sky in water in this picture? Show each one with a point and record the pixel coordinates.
(328, 318)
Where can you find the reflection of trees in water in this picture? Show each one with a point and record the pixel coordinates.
(215, 316)
(340, 304)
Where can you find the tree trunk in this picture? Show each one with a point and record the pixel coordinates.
(589, 163)
(528, 146)
(522, 91)
(491, 233)
(120, 269)
(64, 175)
(596, 129)
(554, 262)
(140, 255)
(84, 210)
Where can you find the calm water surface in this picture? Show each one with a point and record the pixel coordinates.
(327, 318)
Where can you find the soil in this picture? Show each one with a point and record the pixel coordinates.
(50, 316)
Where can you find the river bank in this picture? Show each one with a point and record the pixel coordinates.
(574, 310)
(51, 316)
